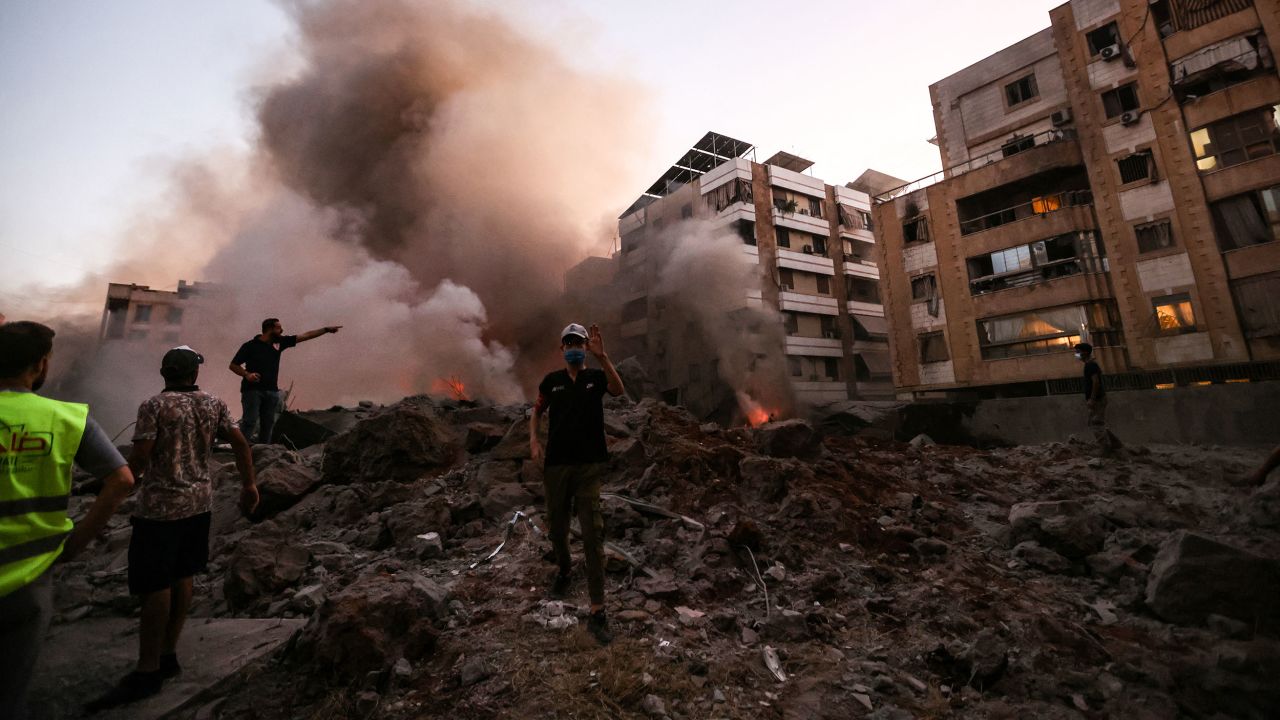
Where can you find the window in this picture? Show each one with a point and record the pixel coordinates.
(637, 309)
(1121, 100)
(1043, 204)
(747, 231)
(630, 241)
(916, 229)
(686, 211)
(730, 193)
(1047, 330)
(933, 348)
(815, 207)
(1174, 315)
(1237, 139)
(818, 245)
(1221, 65)
(1258, 301)
(828, 325)
(923, 287)
(1154, 236)
(1105, 36)
(866, 219)
(824, 285)
(793, 367)
(853, 219)
(831, 368)
(786, 279)
(142, 313)
(1021, 90)
(1249, 219)
(1011, 260)
(791, 323)
(1017, 145)
(784, 237)
(175, 315)
(1136, 167)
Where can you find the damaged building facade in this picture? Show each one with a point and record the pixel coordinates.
(138, 313)
(815, 252)
(1114, 178)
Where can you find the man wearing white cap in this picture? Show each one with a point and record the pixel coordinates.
(575, 458)
(172, 446)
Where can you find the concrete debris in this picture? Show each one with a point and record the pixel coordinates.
(867, 577)
(1195, 576)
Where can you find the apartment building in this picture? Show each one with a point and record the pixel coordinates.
(815, 252)
(140, 314)
(1113, 178)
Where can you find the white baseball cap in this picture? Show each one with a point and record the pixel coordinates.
(573, 329)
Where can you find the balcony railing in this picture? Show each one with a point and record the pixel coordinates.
(1042, 205)
(1032, 276)
(1046, 137)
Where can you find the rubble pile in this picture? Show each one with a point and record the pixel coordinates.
(773, 572)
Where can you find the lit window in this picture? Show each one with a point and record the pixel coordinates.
(1174, 314)
(1237, 139)
(1046, 204)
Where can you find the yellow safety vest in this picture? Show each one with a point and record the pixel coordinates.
(38, 442)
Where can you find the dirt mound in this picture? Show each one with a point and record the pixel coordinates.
(401, 443)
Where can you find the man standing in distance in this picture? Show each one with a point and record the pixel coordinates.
(40, 439)
(1095, 397)
(172, 448)
(257, 362)
(575, 459)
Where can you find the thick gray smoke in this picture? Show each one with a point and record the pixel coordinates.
(706, 276)
(424, 180)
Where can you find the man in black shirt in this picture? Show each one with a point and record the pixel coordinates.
(575, 457)
(1095, 397)
(257, 362)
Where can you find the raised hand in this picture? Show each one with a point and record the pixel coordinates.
(595, 343)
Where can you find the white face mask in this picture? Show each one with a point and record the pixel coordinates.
(1079, 356)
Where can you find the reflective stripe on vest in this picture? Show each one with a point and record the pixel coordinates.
(39, 438)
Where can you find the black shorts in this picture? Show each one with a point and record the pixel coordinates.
(162, 552)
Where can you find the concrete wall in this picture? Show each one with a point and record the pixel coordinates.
(1234, 414)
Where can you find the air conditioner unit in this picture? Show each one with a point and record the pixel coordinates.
(1110, 52)
(1061, 117)
(1130, 117)
(807, 249)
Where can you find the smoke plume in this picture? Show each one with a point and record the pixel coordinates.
(705, 276)
(424, 180)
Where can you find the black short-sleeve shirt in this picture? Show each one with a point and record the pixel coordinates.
(576, 412)
(1090, 369)
(263, 358)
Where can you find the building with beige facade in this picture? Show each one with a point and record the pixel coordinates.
(138, 313)
(813, 252)
(1113, 178)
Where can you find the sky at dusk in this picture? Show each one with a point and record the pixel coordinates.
(101, 97)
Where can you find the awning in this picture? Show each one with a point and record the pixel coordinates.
(877, 362)
(1234, 54)
(873, 324)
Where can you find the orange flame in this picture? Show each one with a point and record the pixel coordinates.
(452, 385)
(754, 412)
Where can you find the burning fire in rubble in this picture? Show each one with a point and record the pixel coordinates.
(755, 413)
(452, 386)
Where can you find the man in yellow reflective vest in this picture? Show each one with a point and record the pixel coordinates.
(40, 439)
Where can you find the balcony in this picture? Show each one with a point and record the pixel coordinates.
(815, 347)
(1039, 206)
(1046, 149)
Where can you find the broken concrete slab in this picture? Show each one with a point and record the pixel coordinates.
(82, 660)
(1195, 576)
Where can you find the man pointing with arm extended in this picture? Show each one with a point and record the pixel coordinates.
(257, 362)
(575, 458)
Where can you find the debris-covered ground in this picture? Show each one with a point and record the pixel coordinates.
(763, 573)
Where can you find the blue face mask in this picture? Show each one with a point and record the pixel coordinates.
(575, 356)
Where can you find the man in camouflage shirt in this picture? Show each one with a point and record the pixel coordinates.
(172, 444)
